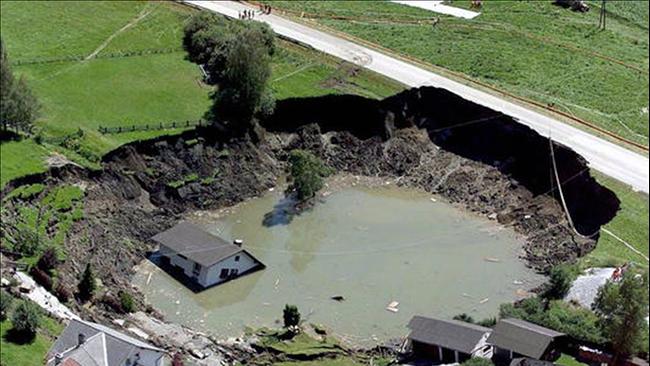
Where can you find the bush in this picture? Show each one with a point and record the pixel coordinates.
(126, 302)
(478, 361)
(561, 279)
(62, 293)
(307, 172)
(87, 285)
(48, 261)
(113, 303)
(291, 316)
(5, 304)
(42, 278)
(531, 309)
(27, 242)
(579, 323)
(27, 319)
(464, 318)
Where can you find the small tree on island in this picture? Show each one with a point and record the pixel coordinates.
(307, 173)
(291, 316)
(622, 308)
(26, 319)
(87, 285)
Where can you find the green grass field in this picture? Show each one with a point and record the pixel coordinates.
(532, 49)
(630, 224)
(31, 354)
(140, 89)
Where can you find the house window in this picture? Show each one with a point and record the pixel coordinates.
(197, 269)
(224, 273)
(182, 256)
(237, 258)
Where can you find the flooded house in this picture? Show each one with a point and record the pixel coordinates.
(203, 258)
(447, 341)
(516, 338)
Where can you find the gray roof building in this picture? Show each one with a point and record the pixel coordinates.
(451, 334)
(523, 338)
(197, 244)
(85, 343)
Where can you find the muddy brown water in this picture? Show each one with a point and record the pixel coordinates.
(372, 246)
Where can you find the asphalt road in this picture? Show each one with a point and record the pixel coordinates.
(604, 156)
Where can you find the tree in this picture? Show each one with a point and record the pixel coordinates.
(5, 304)
(291, 316)
(243, 89)
(18, 105)
(307, 172)
(579, 323)
(26, 319)
(622, 308)
(87, 285)
(561, 279)
(126, 302)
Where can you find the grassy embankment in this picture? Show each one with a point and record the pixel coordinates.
(532, 49)
(538, 51)
(31, 353)
(121, 86)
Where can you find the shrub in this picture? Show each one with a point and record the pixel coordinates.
(27, 242)
(27, 319)
(87, 285)
(478, 361)
(561, 278)
(62, 293)
(291, 316)
(5, 304)
(42, 278)
(126, 302)
(48, 261)
(579, 323)
(464, 318)
(113, 303)
(307, 172)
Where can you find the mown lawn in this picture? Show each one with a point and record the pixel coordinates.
(30, 354)
(530, 48)
(152, 83)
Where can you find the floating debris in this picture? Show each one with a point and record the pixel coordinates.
(484, 300)
(492, 259)
(392, 306)
(337, 298)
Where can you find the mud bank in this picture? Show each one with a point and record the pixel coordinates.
(424, 138)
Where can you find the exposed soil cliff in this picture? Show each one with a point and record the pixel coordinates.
(426, 138)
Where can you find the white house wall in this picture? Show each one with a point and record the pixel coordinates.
(211, 275)
(482, 348)
(186, 264)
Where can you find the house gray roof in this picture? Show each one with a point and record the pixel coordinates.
(196, 244)
(451, 334)
(103, 346)
(523, 337)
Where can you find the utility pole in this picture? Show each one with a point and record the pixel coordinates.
(603, 16)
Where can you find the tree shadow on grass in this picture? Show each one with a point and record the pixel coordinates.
(20, 338)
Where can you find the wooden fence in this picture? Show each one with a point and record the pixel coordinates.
(152, 126)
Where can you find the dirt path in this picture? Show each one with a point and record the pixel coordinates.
(143, 14)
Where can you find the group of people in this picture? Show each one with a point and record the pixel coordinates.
(265, 9)
(246, 14)
(250, 14)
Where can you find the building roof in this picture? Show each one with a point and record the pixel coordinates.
(523, 337)
(103, 346)
(451, 334)
(196, 244)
